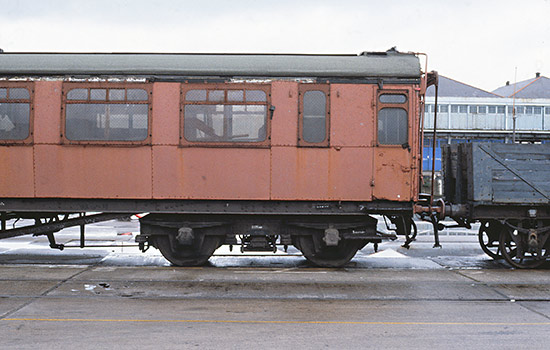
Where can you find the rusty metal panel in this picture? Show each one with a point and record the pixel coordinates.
(47, 108)
(352, 115)
(92, 172)
(284, 125)
(211, 173)
(166, 113)
(168, 172)
(16, 171)
(350, 174)
(300, 173)
(392, 174)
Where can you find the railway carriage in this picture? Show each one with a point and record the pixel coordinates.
(257, 151)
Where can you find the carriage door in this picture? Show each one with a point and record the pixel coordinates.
(392, 151)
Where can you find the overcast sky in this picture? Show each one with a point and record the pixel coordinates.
(476, 42)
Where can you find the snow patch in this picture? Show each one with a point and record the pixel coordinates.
(387, 253)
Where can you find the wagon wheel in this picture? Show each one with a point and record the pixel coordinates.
(489, 236)
(195, 254)
(512, 244)
(319, 254)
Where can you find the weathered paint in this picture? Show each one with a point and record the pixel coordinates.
(92, 171)
(352, 115)
(16, 171)
(352, 168)
(166, 108)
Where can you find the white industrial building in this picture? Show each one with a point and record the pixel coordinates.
(466, 114)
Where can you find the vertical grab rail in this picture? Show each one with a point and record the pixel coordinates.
(433, 79)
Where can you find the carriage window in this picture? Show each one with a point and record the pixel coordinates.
(107, 114)
(393, 118)
(15, 106)
(314, 111)
(314, 127)
(225, 116)
(392, 126)
(393, 98)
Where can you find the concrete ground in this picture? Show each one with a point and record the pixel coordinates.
(453, 297)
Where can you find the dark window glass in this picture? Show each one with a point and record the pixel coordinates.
(392, 98)
(473, 109)
(537, 110)
(462, 109)
(547, 110)
(392, 126)
(444, 108)
(314, 117)
(77, 94)
(216, 95)
(19, 94)
(136, 95)
(225, 123)
(528, 110)
(106, 122)
(492, 109)
(14, 120)
(256, 96)
(454, 108)
(235, 95)
(482, 109)
(195, 95)
(98, 94)
(501, 109)
(116, 94)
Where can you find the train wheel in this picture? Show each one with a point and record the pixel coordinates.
(318, 253)
(513, 246)
(194, 254)
(489, 238)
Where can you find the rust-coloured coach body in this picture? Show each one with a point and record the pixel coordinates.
(254, 150)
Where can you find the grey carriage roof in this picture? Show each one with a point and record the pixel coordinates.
(381, 65)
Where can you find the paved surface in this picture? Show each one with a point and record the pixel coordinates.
(454, 297)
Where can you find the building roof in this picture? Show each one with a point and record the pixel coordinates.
(452, 88)
(390, 64)
(538, 87)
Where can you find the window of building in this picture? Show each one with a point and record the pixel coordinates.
(107, 113)
(454, 108)
(491, 109)
(216, 114)
(482, 109)
(537, 110)
(462, 109)
(392, 120)
(15, 113)
(444, 108)
(473, 109)
(528, 110)
(547, 110)
(313, 122)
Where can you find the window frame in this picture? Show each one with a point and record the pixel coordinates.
(68, 86)
(302, 89)
(185, 87)
(29, 140)
(405, 105)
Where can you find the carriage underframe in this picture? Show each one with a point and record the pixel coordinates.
(188, 232)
